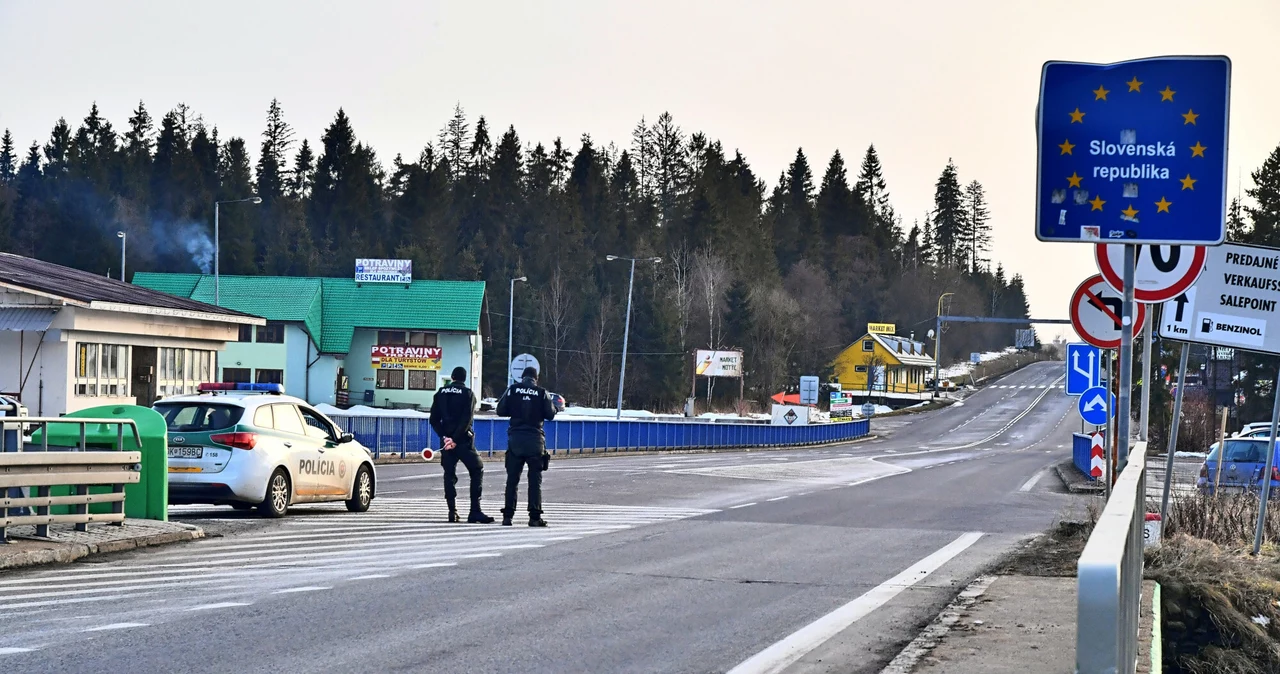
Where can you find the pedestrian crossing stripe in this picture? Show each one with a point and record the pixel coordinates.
(316, 545)
(1029, 386)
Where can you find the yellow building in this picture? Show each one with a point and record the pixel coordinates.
(895, 364)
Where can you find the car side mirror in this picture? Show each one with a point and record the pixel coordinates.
(345, 438)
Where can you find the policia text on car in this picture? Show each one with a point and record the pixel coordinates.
(452, 413)
(527, 405)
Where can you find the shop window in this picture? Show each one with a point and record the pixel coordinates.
(424, 339)
(246, 333)
(391, 338)
(102, 370)
(236, 375)
(422, 380)
(270, 376)
(271, 333)
(390, 379)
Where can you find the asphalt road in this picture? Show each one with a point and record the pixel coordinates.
(800, 561)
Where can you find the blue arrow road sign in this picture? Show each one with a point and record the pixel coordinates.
(1093, 405)
(1084, 365)
(1133, 152)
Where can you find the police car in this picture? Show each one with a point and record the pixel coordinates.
(249, 445)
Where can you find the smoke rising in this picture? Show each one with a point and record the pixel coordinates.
(184, 240)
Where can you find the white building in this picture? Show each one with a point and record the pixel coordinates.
(71, 340)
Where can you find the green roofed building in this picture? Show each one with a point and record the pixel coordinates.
(334, 340)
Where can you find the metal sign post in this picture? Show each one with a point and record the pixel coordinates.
(1126, 359)
(1144, 413)
(1271, 464)
(1109, 431)
(1173, 432)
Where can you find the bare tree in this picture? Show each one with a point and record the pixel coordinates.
(594, 362)
(556, 306)
(711, 278)
(774, 336)
(679, 270)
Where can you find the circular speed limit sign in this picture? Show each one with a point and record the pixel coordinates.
(1161, 273)
(1097, 313)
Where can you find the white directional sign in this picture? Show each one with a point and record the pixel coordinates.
(1095, 404)
(1084, 368)
(1097, 313)
(1161, 272)
(1233, 304)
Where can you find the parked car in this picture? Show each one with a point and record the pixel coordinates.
(1253, 427)
(488, 404)
(557, 401)
(1255, 433)
(1242, 469)
(248, 445)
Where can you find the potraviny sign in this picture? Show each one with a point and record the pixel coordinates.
(369, 270)
(1233, 304)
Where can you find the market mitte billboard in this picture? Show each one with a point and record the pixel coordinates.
(1233, 304)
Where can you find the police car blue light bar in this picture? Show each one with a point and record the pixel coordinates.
(255, 388)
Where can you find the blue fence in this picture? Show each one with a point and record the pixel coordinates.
(1081, 446)
(406, 436)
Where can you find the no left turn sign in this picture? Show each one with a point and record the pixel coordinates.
(1097, 312)
(1161, 273)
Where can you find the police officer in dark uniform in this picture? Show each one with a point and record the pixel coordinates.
(452, 413)
(527, 405)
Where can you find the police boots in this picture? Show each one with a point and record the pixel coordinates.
(536, 521)
(478, 517)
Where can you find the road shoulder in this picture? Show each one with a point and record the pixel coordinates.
(64, 544)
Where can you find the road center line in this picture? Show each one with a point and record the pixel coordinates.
(744, 505)
(210, 607)
(780, 498)
(305, 588)
(786, 652)
(114, 626)
(14, 651)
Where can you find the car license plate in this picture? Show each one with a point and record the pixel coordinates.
(186, 452)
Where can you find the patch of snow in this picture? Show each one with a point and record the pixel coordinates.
(962, 369)
(365, 411)
(1191, 455)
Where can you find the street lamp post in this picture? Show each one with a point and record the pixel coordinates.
(123, 239)
(626, 331)
(937, 345)
(511, 324)
(217, 245)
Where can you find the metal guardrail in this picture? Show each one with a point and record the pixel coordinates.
(1109, 577)
(406, 436)
(78, 468)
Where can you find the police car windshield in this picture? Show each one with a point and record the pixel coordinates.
(190, 417)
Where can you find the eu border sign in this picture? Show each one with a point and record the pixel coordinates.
(1133, 152)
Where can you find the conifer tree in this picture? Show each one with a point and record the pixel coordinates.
(1264, 214)
(949, 219)
(977, 233)
(8, 159)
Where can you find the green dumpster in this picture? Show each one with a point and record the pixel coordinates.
(149, 498)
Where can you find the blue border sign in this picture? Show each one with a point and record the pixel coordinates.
(1095, 403)
(1084, 368)
(1133, 152)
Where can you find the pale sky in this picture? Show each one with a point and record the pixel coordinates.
(924, 81)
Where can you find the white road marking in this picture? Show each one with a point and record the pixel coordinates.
(372, 576)
(225, 604)
(1031, 484)
(114, 626)
(304, 588)
(780, 498)
(15, 651)
(744, 505)
(408, 477)
(438, 565)
(388, 493)
(784, 653)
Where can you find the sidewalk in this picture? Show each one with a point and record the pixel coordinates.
(1009, 625)
(65, 544)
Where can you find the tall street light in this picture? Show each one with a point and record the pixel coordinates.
(937, 344)
(626, 332)
(217, 248)
(123, 239)
(511, 326)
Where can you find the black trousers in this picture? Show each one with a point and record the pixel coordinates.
(475, 467)
(515, 465)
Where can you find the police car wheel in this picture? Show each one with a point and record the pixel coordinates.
(361, 491)
(276, 504)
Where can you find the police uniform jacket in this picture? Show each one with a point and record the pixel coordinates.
(452, 413)
(527, 405)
